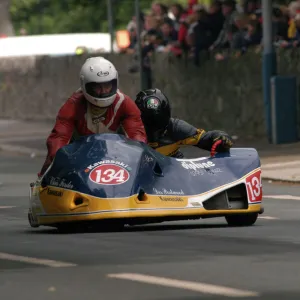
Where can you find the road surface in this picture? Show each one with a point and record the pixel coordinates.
(174, 261)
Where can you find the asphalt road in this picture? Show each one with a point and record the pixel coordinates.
(263, 259)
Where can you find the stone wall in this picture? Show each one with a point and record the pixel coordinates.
(225, 95)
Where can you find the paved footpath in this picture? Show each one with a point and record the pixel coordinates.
(279, 162)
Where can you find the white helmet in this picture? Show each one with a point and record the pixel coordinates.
(99, 73)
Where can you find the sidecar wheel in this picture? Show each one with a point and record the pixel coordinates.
(242, 219)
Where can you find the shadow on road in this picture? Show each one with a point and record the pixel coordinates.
(138, 228)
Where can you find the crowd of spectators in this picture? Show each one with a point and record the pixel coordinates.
(223, 28)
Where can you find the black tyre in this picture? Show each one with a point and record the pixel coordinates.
(242, 219)
(31, 221)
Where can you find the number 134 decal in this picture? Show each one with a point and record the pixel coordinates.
(254, 187)
(109, 174)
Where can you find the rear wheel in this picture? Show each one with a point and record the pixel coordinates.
(242, 219)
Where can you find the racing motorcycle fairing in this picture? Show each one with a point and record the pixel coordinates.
(105, 176)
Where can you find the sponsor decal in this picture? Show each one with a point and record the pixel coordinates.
(197, 172)
(54, 193)
(167, 192)
(194, 165)
(206, 171)
(97, 119)
(102, 74)
(254, 187)
(109, 174)
(56, 181)
(175, 199)
(97, 114)
(113, 162)
(152, 103)
(214, 171)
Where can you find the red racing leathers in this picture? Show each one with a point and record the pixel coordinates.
(78, 115)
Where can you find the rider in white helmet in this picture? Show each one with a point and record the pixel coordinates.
(99, 81)
(97, 107)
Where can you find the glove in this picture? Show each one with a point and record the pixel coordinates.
(227, 141)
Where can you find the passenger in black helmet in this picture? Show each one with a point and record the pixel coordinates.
(166, 134)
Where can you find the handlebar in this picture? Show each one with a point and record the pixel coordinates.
(214, 147)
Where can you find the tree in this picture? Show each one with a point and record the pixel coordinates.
(6, 26)
(56, 16)
(68, 16)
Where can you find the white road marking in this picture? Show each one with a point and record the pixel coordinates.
(282, 197)
(188, 285)
(37, 261)
(274, 165)
(268, 218)
(4, 207)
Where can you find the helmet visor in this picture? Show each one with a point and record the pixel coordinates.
(101, 89)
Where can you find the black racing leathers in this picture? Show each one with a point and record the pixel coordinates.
(179, 133)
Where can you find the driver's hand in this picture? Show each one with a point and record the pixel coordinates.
(226, 139)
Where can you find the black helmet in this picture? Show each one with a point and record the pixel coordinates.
(155, 110)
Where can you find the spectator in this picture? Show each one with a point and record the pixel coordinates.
(280, 25)
(250, 6)
(191, 4)
(169, 36)
(228, 10)
(295, 40)
(229, 26)
(253, 36)
(159, 11)
(293, 9)
(182, 45)
(151, 23)
(195, 20)
(168, 31)
(215, 20)
(132, 23)
(176, 12)
(199, 34)
(236, 38)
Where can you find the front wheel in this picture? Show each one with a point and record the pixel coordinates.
(31, 220)
(242, 219)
